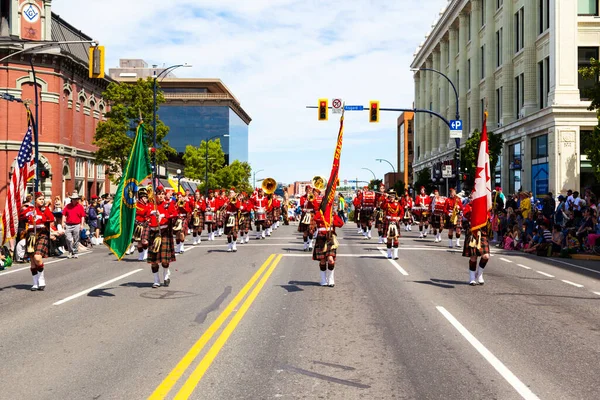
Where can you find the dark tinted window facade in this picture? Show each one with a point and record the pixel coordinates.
(190, 125)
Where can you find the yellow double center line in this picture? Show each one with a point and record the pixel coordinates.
(190, 384)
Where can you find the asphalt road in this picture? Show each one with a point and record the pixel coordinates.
(256, 325)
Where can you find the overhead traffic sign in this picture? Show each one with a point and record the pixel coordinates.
(336, 106)
(456, 129)
(354, 108)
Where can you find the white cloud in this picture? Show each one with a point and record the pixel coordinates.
(277, 57)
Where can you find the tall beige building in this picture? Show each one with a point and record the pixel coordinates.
(521, 59)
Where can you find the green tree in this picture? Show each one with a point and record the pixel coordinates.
(236, 174)
(423, 178)
(374, 184)
(590, 144)
(114, 137)
(468, 154)
(399, 187)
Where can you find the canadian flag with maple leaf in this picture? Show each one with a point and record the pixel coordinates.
(482, 193)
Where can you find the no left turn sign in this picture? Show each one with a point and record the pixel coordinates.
(336, 105)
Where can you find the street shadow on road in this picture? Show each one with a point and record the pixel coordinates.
(442, 283)
(216, 251)
(101, 293)
(18, 287)
(298, 250)
(548, 295)
(291, 288)
(139, 285)
(303, 283)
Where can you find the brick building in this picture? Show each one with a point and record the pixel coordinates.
(70, 104)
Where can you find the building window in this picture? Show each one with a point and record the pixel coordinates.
(499, 48)
(469, 27)
(482, 13)
(543, 82)
(539, 165)
(499, 3)
(90, 169)
(543, 15)
(587, 7)
(79, 168)
(499, 105)
(100, 173)
(482, 71)
(519, 94)
(584, 54)
(469, 121)
(519, 30)
(469, 74)
(515, 160)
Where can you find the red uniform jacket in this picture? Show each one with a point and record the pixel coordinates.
(407, 203)
(40, 218)
(142, 212)
(185, 210)
(246, 206)
(394, 209)
(449, 205)
(337, 221)
(210, 205)
(259, 202)
(423, 201)
(164, 213)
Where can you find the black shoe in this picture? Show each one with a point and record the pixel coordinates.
(41, 288)
(331, 285)
(34, 289)
(167, 282)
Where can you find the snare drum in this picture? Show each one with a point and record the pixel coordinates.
(209, 217)
(261, 214)
(417, 211)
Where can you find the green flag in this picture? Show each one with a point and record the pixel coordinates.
(121, 223)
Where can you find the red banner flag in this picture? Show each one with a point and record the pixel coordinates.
(482, 194)
(326, 208)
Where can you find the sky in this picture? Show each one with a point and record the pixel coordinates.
(277, 57)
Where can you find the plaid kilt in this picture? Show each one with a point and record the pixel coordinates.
(318, 252)
(231, 230)
(356, 215)
(424, 217)
(472, 251)
(379, 220)
(277, 213)
(366, 216)
(42, 244)
(448, 225)
(166, 253)
(244, 222)
(387, 224)
(220, 217)
(145, 232)
(185, 225)
(270, 218)
(436, 221)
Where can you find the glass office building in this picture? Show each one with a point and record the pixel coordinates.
(191, 124)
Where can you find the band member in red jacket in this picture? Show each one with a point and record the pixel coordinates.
(356, 204)
(260, 204)
(307, 224)
(453, 210)
(210, 215)
(231, 220)
(394, 213)
(423, 204)
(142, 215)
(326, 246)
(197, 217)
(367, 210)
(407, 205)
(162, 248)
(380, 200)
(38, 239)
(183, 212)
(245, 220)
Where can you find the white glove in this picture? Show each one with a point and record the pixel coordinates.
(153, 212)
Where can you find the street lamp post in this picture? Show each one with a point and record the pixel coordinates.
(154, 90)
(391, 165)
(178, 180)
(457, 141)
(254, 180)
(374, 176)
(206, 163)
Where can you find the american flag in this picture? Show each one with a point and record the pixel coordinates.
(24, 171)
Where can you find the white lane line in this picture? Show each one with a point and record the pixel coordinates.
(572, 283)
(598, 293)
(11, 271)
(505, 260)
(577, 266)
(395, 264)
(523, 266)
(545, 274)
(519, 386)
(84, 292)
(338, 255)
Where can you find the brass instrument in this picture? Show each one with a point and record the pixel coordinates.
(196, 217)
(454, 216)
(318, 182)
(310, 197)
(31, 243)
(269, 185)
(181, 202)
(178, 225)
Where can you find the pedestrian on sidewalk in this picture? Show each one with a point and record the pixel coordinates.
(74, 214)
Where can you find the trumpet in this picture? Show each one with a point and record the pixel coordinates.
(181, 202)
(310, 197)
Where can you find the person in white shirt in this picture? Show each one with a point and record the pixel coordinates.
(569, 200)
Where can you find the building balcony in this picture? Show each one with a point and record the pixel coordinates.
(197, 96)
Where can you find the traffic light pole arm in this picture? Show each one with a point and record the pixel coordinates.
(416, 110)
(451, 84)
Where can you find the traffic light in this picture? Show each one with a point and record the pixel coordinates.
(457, 153)
(323, 109)
(373, 111)
(96, 62)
